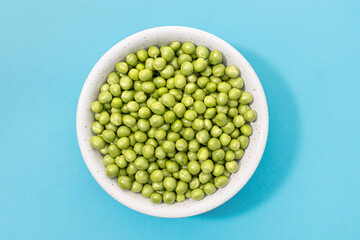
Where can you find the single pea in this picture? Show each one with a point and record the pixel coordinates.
(120, 161)
(113, 150)
(107, 160)
(228, 128)
(199, 95)
(161, 91)
(133, 74)
(149, 64)
(104, 150)
(235, 133)
(215, 57)
(202, 52)
(152, 142)
(224, 87)
(132, 59)
(190, 88)
(115, 110)
(179, 109)
(177, 93)
(184, 58)
(192, 156)
(232, 166)
(113, 78)
(202, 136)
(173, 136)
(148, 151)
(181, 187)
(199, 107)
(188, 101)
(167, 72)
(172, 166)
(194, 183)
(112, 170)
(153, 51)
(179, 81)
(211, 87)
(209, 188)
(210, 101)
(158, 186)
(194, 145)
(190, 115)
(115, 90)
(123, 142)
(180, 197)
(141, 176)
(188, 48)
(157, 176)
(234, 145)
(203, 154)
(238, 121)
(236, 83)
(160, 153)
(167, 53)
(250, 115)
(116, 119)
(243, 108)
(136, 187)
(218, 70)
(124, 182)
(147, 190)
(122, 67)
(127, 96)
(175, 46)
(158, 108)
(221, 119)
(210, 113)
(177, 126)
(193, 167)
(105, 97)
(229, 156)
(186, 68)
(142, 55)
(96, 107)
(232, 112)
(156, 198)
(200, 65)
(105, 87)
(156, 121)
(133, 106)
(159, 64)
(198, 124)
(140, 66)
(140, 136)
(161, 163)
(133, 140)
(234, 94)
(129, 120)
(207, 166)
(97, 142)
(144, 112)
(245, 98)
(218, 170)
(215, 79)
(108, 136)
(214, 144)
(181, 145)
(232, 71)
(168, 146)
(197, 194)
(169, 183)
(220, 181)
(175, 64)
(185, 175)
(97, 128)
(246, 130)
(225, 139)
(218, 155)
(239, 153)
(169, 197)
(188, 134)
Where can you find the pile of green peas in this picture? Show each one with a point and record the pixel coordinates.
(172, 122)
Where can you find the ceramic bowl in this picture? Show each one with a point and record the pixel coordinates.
(161, 36)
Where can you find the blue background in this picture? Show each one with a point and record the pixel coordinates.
(306, 54)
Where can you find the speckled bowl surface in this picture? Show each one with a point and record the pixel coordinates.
(160, 36)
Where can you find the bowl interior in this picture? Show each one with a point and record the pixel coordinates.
(161, 36)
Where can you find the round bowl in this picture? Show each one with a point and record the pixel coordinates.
(160, 36)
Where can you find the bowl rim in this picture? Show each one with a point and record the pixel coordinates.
(261, 144)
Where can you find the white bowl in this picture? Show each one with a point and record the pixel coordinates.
(160, 36)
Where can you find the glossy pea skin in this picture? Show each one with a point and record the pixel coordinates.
(188, 48)
(202, 52)
(122, 67)
(250, 115)
(197, 194)
(220, 181)
(246, 130)
(194, 167)
(97, 142)
(153, 51)
(169, 197)
(215, 57)
(156, 198)
(124, 182)
(186, 68)
(169, 183)
(232, 71)
(147, 190)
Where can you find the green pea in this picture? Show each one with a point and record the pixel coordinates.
(199, 95)
(133, 74)
(203, 154)
(211, 87)
(225, 139)
(133, 140)
(245, 98)
(159, 64)
(224, 87)
(215, 57)
(127, 96)
(179, 109)
(140, 136)
(194, 145)
(250, 115)
(181, 187)
(221, 119)
(113, 78)
(120, 161)
(96, 107)
(157, 176)
(199, 107)
(218, 155)
(198, 124)
(220, 181)
(142, 55)
(207, 166)
(124, 182)
(122, 67)
(168, 146)
(156, 198)
(181, 145)
(209, 188)
(202, 52)
(186, 68)
(175, 64)
(167, 53)
(200, 65)
(149, 64)
(229, 156)
(123, 142)
(218, 70)
(197, 194)
(105, 97)
(246, 130)
(147, 151)
(166, 173)
(113, 150)
(215, 131)
(172, 166)
(156, 121)
(115, 90)
(175, 46)
(169, 183)
(214, 144)
(169, 197)
(185, 175)
(180, 197)
(238, 121)
(167, 72)
(239, 153)
(232, 166)
(147, 190)
(129, 120)
(158, 186)
(152, 142)
(140, 66)
(108, 135)
(97, 128)
(107, 160)
(136, 187)
(116, 102)
(234, 94)
(112, 170)
(153, 51)
(193, 167)
(188, 133)
(132, 59)
(173, 136)
(110, 126)
(161, 163)
(188, 48)
(228, 128)
(105, 87)
(232, 71)
(144, 112)
(192, 156)
(97, 142)
(218, 170)
(202, 136)
(236, 83)
(141, 176)
(184, 58)
(194, 183)
(243, 108)
(180, 81)
(210, 101)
